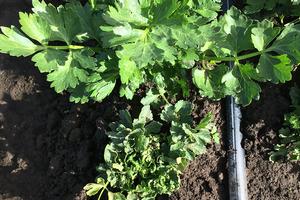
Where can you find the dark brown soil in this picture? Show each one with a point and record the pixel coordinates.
(49, 148)
(206, 177)
(261, 122)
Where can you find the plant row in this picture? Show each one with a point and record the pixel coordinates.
(89, 50)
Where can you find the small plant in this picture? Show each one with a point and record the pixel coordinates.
(289, 146)
(146, 157)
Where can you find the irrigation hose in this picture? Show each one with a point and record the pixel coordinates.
(236, 154)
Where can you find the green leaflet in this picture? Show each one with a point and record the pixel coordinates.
(89, 21)
(228, 36)
(280, 70)
(131, 77)
(151, 97)
(237, 28)
(66, 69)
(98, 87)
(263, 34)
(241, 82)
(128, 70)
(63, 23)
(149, 49)
(146, 115)
(187, 37)
(210, 82)
(180, 113)
(49, 60)
(247, 77)
(67, 75)
(14, 43)
(188, 142)
(35, 27)
(285, 43)
(276, 68)
(93, 188)
(100, 83)
(206, 8)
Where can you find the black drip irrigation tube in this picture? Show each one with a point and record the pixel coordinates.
(236, 154)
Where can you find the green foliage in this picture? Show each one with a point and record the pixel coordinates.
(138, 41)
(144, 159)
(153, 33)
(289, 134)
(276, 54)
(274, 6)
(71, 68)
(13, 42)
(166, 45)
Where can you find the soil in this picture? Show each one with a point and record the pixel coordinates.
(49, 148)
(206, 177)
(261, 122)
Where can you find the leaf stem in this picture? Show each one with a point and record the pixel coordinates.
(92, 2)
(164, 98)
(104, 188)
(250, 55)
(72, 47)
(145, 34)
(238, 58)
(294, 21)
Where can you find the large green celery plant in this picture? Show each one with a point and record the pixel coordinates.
(145, 157)
(136, 41)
